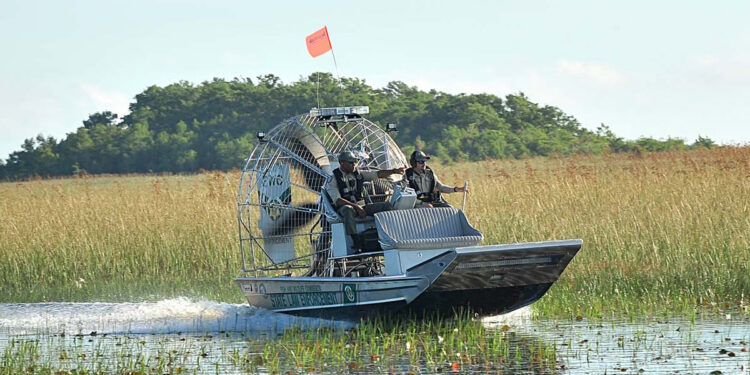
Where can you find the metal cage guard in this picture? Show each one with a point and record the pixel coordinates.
(282, 225)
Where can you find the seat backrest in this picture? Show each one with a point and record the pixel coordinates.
(405, 228)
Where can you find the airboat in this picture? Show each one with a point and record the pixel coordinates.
(297, 258)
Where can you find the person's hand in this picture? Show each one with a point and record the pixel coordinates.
(360, 211)
(461, 189)
(427, 205)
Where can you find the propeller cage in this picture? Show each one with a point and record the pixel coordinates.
(283, 221)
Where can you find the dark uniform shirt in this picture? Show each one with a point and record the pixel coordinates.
(333, 189)
(424, 180)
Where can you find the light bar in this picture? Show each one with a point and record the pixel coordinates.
(340, 111)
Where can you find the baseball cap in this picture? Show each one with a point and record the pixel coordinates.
(420, 155)
(349, 156)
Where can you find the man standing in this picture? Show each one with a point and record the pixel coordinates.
(423, 180)
(347, 192)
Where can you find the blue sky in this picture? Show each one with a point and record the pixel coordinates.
(644, 68)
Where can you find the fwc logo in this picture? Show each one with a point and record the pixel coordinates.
(350, 293)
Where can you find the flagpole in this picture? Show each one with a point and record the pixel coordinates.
(319, 43)
(341, 88)
(317, 88)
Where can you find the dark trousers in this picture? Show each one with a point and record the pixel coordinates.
(441, 203)
(349, 214)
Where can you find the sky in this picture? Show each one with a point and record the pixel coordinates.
(644, 68)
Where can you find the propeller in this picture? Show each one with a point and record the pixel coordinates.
(292, 219)
(312, 179)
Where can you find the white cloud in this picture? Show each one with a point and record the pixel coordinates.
(597, 73)
(722, 72)
(705, 61)
(100, 100)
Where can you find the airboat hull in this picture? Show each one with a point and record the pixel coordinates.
(488, 280)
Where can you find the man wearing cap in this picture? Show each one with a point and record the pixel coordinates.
(423, 180)
(346, 191)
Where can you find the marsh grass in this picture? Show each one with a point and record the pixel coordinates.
(662, 232)
(119, 238)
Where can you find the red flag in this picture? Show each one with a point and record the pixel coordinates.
(318, 42)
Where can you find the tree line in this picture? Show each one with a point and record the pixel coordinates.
(185, 127)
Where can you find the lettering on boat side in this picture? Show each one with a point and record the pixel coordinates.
(289, 300)
(350, 293)
(299, 288)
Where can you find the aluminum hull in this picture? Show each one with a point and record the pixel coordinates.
(489, 280)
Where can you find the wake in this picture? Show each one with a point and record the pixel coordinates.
(177, 315)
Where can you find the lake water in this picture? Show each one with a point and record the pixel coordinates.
(113, 335)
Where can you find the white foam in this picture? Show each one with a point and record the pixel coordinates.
(518, 317)
(166, 316)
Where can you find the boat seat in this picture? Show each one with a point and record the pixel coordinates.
(425, 228)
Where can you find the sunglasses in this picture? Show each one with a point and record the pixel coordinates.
(421, 161)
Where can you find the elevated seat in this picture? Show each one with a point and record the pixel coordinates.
(425, 228)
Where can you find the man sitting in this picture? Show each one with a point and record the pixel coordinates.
(346, 190)
(423, 180)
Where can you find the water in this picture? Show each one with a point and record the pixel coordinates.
(207, 336)
(181, 334)
(179, 315)
(664, 345)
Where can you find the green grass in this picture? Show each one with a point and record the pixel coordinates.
(663, 233)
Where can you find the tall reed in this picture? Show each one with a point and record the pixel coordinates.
(118, 238)
(662, 231)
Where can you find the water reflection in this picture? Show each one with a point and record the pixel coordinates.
(647, 345)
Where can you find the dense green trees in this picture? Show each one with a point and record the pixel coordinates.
(184, 127)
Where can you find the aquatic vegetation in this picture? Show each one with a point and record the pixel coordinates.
(412, 345)
(423, 346)
(663, 233)
(396, 346)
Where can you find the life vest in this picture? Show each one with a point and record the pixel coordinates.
(424, 193)
(352, 195)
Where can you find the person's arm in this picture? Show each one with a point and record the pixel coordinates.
(333, 192)
(344, 202)
(387, 172)
(421, 204)
(447, 189)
